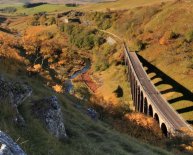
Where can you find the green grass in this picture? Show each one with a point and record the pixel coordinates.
(16, 5)
(171, 13)
(48, 8)
(120, 5)
(43, 8)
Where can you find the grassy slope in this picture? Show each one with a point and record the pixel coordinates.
(149, 24)
(171, 58)
(48, 143)
(46, 7)
(120, 5)
(85, 135)
(42, 8)
(50, 1)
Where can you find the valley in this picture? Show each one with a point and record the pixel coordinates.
(76, 54)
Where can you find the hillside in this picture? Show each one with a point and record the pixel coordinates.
(71, 73)
(121, 5)
(51, 1)
(85, 135)
(166, 48)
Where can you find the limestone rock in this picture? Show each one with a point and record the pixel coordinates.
(49, 112)
(8, 146)
(111, 41)
(14, 93)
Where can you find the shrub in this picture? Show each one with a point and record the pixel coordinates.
(102, 57)
(34, 23)
(137, 45)
(173, 35)
(97, 68)
(106, 24)
(103, 20)
(67, 28)
(42, 20)
(81, 37)
(52, 20)
(8, 10)
(189, 36)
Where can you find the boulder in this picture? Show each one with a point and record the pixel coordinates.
(111, 41)
(8, 146)
(14, 93)
(49, 112)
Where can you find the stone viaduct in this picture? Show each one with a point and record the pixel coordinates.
(148, 100)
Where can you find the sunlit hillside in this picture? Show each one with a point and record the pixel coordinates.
(64, 86)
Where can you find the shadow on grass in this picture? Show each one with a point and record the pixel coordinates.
(2, 19)
(176, 87)
(32, 5)
(119, 92)
(190, 121)
(187, 109)
(5, 30)
(33, 60)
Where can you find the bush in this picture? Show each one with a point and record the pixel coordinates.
(31, 5)
(34, 23)
(81, 37)
(103, 20)
(106, 24)
(173, 35)
(137, 45)
(102, 57)
(189, 36)
(8, 10)
(52, 20)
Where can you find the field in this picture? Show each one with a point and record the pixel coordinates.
(42, 8)
(52, 1)
(120, 5)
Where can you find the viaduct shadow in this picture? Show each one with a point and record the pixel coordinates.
(175, 86)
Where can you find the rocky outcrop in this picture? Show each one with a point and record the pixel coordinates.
(14, 93)
(49, 112)
(8, 146)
